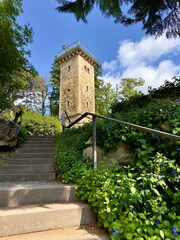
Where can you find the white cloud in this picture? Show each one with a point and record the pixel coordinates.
(150, 59)
(110, 66)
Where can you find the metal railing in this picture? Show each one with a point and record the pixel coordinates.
(74, 45)
(95, 116)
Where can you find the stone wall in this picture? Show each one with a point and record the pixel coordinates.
(121, 155)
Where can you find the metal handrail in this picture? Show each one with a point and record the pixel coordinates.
(74, 45)
(146, 129)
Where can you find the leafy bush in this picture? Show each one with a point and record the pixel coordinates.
(170, 89)
(36, 124)
(135, 203)
(140, 201)
(70, 161)
(23, 134)
(159, 114)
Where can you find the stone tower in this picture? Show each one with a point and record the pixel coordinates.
(77, 94)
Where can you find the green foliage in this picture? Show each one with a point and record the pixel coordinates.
(135, 203)
(35, 94)
(70, 161)
(36, 124)
(13, 53)
(140, 201)
(104, 97)
(157, 17)
(170, 89)
(127, 88)
(23, 134)
(162, 115)
(55, 84)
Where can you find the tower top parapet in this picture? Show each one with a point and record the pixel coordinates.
(77, 48)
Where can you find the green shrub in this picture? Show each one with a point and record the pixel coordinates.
(23, 134)
(135, 203)
(36, 124)
(70, 161)
(140, 201)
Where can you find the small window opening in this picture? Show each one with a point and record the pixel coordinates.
(68, 103)
(87, 70)
(68, 89)
(87, 104)
(84, 68)
(87, 88)
(69, 68)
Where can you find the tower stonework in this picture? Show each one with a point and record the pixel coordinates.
(77, 94)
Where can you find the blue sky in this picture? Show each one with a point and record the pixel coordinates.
(122, 51)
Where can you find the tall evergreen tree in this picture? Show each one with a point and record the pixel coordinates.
(55, 89)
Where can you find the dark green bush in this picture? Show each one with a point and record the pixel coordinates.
(70, 161)
(23, 134)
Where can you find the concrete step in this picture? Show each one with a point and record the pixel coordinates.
(27, 193)
(23, 177)
(33, 218)
(32, 155)
(85, 232)
(40, 145)
(28, 161)
(35, 150)
(40, 168)
(41, 139)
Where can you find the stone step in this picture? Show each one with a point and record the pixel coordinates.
(23, 177)
(16, 194)
(32, 155)
(35, 150)
(34, 218)
(41, 139)
(35, 168)
(85, 232)
(39, 145)
(28, 161)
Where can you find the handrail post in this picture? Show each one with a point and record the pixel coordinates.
(63, 123)
(94, 143)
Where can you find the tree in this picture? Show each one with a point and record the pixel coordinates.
(13, 54)
(55, 92)
(127, 86)
(35, 96)
(156, 16)
(104, 94)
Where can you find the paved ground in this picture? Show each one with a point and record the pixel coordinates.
(89, 232)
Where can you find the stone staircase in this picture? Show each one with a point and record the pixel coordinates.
(33, 161)
(38, 208)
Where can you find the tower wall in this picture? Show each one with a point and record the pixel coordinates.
(77, 94)
(86, 87)
(69, 86)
